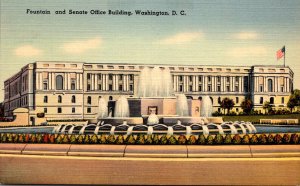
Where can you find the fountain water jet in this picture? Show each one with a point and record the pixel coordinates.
(206, 107)
(122, 107)
(102, 108)
(182, 105)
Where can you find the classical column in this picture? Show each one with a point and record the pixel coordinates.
(53, 81)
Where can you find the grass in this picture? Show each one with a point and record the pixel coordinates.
(256, 118)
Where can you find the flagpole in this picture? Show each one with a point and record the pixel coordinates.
(284, 57)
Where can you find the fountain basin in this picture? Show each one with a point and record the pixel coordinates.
(184, 120)
(121, 120)
(216, 120)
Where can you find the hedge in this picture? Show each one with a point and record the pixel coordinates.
(141, 139)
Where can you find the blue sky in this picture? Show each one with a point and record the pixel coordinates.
(212, 33)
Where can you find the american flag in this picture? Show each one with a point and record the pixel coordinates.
(281, 53)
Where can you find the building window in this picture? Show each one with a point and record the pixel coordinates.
(88, 87)
(261, 88)
(237, 110)
(282, 88)
(89, 100)
(246, 84)
(237, 79)
(282, 100)
(110, 76)
(212, 100)
(59, 110)
(261, 100)
(209, 79)
(45, 110)
(209, 88)
(180, 88)
(131, 87)
(45, 86)
(110, 98)
(219, 109)
(271, 100)
(219, 88)
(236, 99)
(270, 85)
(120, 87)
(88, 76)
(99, 76)
(228, 79)
(131, 77)
(110, 87)
(120, 77)
(180, 78)
(73, 85)
(59, 82)
(73, 109)
(59, 99)
(200, 78)
(228, 88)
(219, 99)
(200, 88)
(99, 87)
(191, 78)
(73, 99)
(218, 79)
(237, 88)
(89, 110)
(45, 99)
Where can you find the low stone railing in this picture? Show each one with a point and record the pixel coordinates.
(279, 121)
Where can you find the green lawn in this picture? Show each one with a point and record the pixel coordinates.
(258, 117)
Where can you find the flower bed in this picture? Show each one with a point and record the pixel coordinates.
(238, 139)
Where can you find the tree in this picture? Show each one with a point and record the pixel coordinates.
(227, 103)
(247, 105)
(267, 106)
(294, 99)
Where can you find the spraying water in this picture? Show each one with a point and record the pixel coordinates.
(102, 108)
(122, 107)
(155, 82)
(182, 105)
(206, 107)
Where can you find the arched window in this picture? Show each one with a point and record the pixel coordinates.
(282, 100)
(219, 99)
(212, 100)
(271, 100)
(110, 98)
(200, 98)
(59, 82)
(89, 100)
(73, 99)
(270, 85)
(59, 99)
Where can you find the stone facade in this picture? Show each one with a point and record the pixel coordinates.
(72, 89)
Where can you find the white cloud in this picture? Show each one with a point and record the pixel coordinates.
(253, 51)
(246, 35)
(27, 51)
(181, 38)
(80, 46)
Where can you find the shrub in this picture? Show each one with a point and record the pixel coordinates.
(141, 139)
(163, 140)
(59, 139)
(254, 139)
(294, 138)
(46, 138)
(39, 138)
(87, 139)
(192, 140)
(155, 139)
(73, 139)
(3, 138)
(102, 139)
(277, 139)
(120, 140)
(94, 139)
(228, 139)
(52, 138)
(172, 140)
(149, 140)
(201, 140)
(210, 140)
(33, 138)
(263, 139)
(21, 138)
(130, 140)
(246, 139)
(80, 139)
(236, 139)
(15, 138)
(65, 139)
(286, 138)
(111, 139)
(270, 139)
(218, 140)
(181, 140)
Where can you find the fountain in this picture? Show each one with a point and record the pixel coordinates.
(182, 105)
(206, 107)
(102, 108)
(122, 107)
